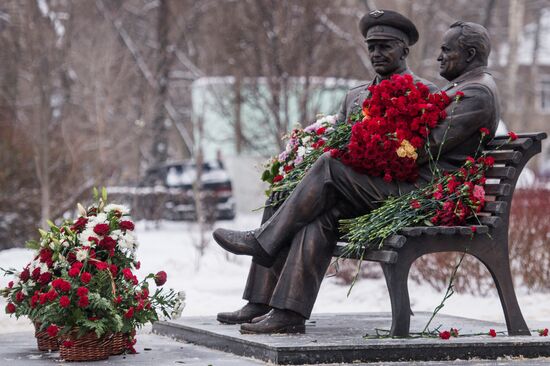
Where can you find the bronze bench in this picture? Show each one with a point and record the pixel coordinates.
(400, 251)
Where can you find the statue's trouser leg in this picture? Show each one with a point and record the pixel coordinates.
(328, 184)
(262, 280)
(309, 257)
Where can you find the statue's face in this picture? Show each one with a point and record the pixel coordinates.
(452, 58)
(386, 56)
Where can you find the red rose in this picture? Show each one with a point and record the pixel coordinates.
(44, 278)
(492, 333)
(51, 295)
(77, 265)
(65, 286)
(85, 277)
(79, 224)
(543, 332)
(10, 308)
(454, 332)
(102, 229)
(52, 330)
(160, 278)
(82, 291)
(512, 136)
(64, 301)
(118, 299)
(10, 284)
(19, 296)
(144, 293)
(473, 228)
(459, 94)
(130, 313)
(127, 272)
(35, 274)
(83, 301)
(320, 130)
(415, 204)
(45, 255)
(101, 265)
(126, 225)
(114, 269)
(278, 178)
(107, 243)
(137, 265)
(73, 272)
(34, 300)
(445, 334)
(68, 344)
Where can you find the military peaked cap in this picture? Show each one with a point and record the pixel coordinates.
(388, 24)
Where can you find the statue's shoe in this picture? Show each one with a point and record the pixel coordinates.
(243, 243)
(277, 321)
(245, 314)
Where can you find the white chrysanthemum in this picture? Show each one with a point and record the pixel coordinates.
(81, 254)
(84, 237)
(65, 243)
(43, 268)
(114, 207)
(34, 264)
(116, 234)
(30, 283)
(179, 305)
(101, 218)
(301, 151)
(128, 241)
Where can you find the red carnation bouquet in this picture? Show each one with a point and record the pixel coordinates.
(395, 122)
(450, 199)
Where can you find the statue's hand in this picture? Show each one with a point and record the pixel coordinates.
(277, 197)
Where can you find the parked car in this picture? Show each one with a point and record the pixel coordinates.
(216, 191)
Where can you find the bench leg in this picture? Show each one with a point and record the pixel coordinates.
(396, 280)
(499, 267)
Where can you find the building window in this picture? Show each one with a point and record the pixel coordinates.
(544, 88)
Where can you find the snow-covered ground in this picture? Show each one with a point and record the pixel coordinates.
(214, 281)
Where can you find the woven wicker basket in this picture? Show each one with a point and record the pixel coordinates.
(86, 348)
(118, 345)
(44, 341)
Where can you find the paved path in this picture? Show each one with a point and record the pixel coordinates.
(19, 349)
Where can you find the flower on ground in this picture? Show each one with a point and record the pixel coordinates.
(492, 333)
(512, 136)
(543, 332)
(454, 332)
(445, 334)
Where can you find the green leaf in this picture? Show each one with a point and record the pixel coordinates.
(104, 194)
(43, 233)
(95, 194)
(32, 244)
(51, 224)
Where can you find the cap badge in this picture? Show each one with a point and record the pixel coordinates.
(376, 13)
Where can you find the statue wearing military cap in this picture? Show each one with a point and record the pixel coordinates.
(388, 24)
